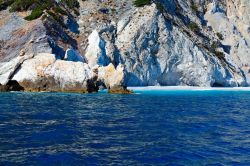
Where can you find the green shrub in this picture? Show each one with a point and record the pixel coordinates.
(38, 6)
(5, 3)
(58, 9)
(71, 3)
(194, 8)
(194, 27)
(220, 55)
(141, 3)
(215, 45)
(160, 7)
(113, 10)
(220, 36)
(36, 13)
(56, 17)
(76, 12)
(22, 5)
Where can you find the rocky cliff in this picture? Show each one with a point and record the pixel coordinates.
(116, 44)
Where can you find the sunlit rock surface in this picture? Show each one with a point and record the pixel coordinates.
(195, 43)
(45, 73)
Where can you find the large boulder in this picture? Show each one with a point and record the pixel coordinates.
(71, 77)
(7, 69)
(45, 73)
(113, 78)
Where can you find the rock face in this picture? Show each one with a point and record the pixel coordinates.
(113, 43)
(96, 53)
(159, 46)
(235, 28)
(19, 37)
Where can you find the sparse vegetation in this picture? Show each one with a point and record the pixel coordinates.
(71, 3)
(215, 45)
(38, 6)
(58, 9)
(194, 8)
(193, 26)
(141, 3)
(56, 17)
(113, 10)
(5, 3)
(220, 36)
(160, 7)
(36, 13)
(220, 55)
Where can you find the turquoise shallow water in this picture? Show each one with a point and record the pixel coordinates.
(148, 128)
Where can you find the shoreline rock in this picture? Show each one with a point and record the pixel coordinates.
(44, 72)
(156, 44)
(11, 86)
(120, 90)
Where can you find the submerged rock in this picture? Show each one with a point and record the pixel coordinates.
(120, 90)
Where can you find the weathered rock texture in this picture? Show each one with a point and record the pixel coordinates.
(45, 73)
(114, 43)
(158, 45)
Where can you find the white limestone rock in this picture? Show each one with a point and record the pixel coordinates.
(45, 73)
(70, 76)
(155, 49)
(157, 53)
(96, 53)
(112, 77)
(7, 69)
(31, 74)
(234, 25)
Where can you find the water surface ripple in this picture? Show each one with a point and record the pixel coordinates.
(147, 128)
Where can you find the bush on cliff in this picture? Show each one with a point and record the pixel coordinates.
(193, 26)
(36, 13)
(220, 36)
(38, 6)
(5, 3)
(71, 3)
(141, 3)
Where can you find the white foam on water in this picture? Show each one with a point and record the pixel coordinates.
(193, 88)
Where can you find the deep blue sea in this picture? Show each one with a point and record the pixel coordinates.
(167, 127)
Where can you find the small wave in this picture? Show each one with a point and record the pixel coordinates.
(191, 88)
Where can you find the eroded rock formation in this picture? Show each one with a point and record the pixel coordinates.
(115, 44)
(45, 73)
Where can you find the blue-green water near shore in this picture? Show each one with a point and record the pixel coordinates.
(147, 128)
